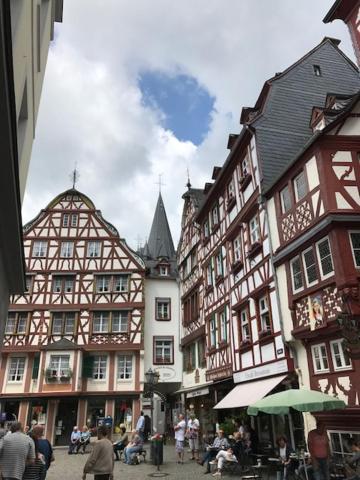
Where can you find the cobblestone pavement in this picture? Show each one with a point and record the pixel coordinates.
(70, 467)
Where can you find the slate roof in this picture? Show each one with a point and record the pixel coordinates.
(197, 195)
(62, 344)
(282, 128)
(160, 246)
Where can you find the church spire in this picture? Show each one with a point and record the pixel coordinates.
(160, 243)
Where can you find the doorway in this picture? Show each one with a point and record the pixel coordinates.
(65, 420)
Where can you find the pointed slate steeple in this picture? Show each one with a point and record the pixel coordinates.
(160, 243)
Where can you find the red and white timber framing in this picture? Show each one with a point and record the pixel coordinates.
(76, 335)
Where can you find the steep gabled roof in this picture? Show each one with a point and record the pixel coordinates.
(160, 243)
(340, 10)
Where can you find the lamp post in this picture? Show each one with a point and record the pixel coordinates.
(152, 378)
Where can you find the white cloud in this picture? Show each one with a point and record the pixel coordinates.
(92, 112)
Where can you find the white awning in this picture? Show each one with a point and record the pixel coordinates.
(247, 393)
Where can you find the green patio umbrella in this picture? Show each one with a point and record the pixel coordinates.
(301, 400)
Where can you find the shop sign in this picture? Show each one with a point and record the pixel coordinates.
(166, 373)
(274, 368)
(198, 393)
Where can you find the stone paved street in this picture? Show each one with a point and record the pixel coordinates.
(69, 467)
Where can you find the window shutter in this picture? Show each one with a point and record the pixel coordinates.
(88, 366)
(36, 364)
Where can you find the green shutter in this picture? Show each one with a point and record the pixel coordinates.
(87, 367)
(36, 364)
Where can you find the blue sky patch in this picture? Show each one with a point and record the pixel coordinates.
(185, 104)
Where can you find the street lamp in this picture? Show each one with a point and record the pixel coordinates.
(152, 378)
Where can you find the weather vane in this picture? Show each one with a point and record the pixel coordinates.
(75, 175)
(160, 183)
(188, 178)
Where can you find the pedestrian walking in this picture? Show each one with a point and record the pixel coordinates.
(17, 449)
(319, 448)
(36, 469)
(44, 447)
(140, 426)
(193, 427)
(74, 440)
(180, 428)
(101, 460)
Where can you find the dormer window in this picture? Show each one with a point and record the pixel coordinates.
(163, 270)
(245, 169)
(317, 70)
(231, 190)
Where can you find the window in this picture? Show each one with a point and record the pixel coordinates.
(355, 244)
(103, 283)
(317, 70)
(111, 322)
(215, 215)
(254, 230)
(63, 284)
(65, 220)
(310, 267)
(163, 270)
(237, 249)
(300, 186)
(162, 306)
(74, 219)
(39, 248)
(206, 229)
(285, 199)
(59, 365)
(339, 442)
(16, 323)
(99, 367)
(28, 283)
(223, 326)
(244, 325)
(93, 249)
(63, 323)
(245, 170)
(163, 350)
(201, 347)
(320, 359)
(265, 320)
(209, 278)
(120, 322)
(16, 369)
(101, 322)
(213, 331)
(124, 367)
(219, 264)
(296, 274)
(67, 249)
(189, 358)
(325, 259)
(339, 355)
(231, 190)
(191, 308)
(120, 283)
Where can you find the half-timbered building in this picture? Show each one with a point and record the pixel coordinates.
(194, 394)
(162, 317)
(314, 215)
(73, 343)
(244, 325)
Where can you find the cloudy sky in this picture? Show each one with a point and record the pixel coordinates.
(135, 89)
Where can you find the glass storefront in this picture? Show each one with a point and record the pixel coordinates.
(123, 413)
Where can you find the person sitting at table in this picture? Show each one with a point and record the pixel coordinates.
(352, 467)
(238, 445)
(220, 443)
(285, 451)
(121, 442)
(134, 446)
(222, 457)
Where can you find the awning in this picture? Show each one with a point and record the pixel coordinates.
(247, 393)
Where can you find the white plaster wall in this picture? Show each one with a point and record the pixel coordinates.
(164, 288)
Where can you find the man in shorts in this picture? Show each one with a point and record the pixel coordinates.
(193, 427)
(180, 428)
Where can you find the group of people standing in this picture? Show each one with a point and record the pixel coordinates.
(24, 456)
